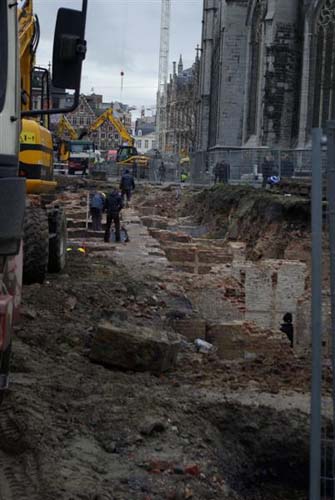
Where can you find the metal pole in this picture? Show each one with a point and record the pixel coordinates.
(315, 442)
(87, 210)
(331, 224)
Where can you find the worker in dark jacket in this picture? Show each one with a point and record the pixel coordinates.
(287, 327)
(222, 172)
(127, 185)
(113, 208)
(162, 172)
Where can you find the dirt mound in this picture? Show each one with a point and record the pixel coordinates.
(267, 222)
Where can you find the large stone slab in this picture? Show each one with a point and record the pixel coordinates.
(134, 348)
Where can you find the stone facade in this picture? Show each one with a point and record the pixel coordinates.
(267, 72)
(181, 96)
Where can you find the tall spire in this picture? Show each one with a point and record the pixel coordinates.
(180, 65)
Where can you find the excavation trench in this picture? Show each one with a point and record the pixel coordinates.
(109, 434)
(263, 453)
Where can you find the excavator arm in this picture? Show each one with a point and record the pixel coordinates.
(28, 27)
(65, 125)
(117, 124)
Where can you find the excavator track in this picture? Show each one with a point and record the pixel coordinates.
(19, 470)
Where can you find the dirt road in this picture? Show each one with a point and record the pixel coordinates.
(71, 429)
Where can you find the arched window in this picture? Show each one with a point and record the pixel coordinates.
(256, 42)
(324, 67)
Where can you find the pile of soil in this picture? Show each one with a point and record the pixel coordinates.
(271, 224)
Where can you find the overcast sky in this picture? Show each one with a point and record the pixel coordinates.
(124, 35)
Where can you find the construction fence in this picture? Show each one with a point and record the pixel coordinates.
(247, 165)
(154, 173)
(243, 166)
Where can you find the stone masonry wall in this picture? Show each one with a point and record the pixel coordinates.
(272, 288)
(233, 70)
(303, 324)
(281, 101)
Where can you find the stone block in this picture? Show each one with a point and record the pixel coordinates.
(216, 256)
(229, 338)
(290, 286)
(167, 236)
(180, 253)
(155, 222)
(133, 348)
(238, 250)
(190, 328)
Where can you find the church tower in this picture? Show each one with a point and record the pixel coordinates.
(180, 65)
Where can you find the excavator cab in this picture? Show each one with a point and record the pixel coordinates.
(126, 152)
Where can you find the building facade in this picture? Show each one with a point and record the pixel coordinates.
(145, 124)
(145, 142)
(90, 107)
(181, 105)
(267, 72)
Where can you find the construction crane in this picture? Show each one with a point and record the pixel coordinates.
(163, 73)
(127, 154)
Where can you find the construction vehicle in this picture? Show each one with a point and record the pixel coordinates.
(76, 153)
(64, 126)
(127, 154)
(68, 54)
(45, 223)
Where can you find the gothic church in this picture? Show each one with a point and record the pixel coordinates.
(267, 72)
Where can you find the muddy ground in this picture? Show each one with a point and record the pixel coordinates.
(209, 429)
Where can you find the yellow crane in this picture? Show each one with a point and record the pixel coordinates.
(127, 154)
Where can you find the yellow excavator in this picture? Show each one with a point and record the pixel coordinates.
(68, 55)
(45, 223)
(36, 148)
(76, 153)
(64, 126)
(127, 154)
